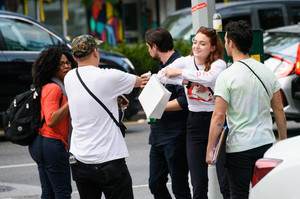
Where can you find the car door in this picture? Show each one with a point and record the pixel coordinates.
(21, 42)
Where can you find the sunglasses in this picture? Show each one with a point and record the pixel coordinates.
(209, 29)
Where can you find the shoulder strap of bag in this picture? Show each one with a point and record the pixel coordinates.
(97, 99)
(256, 76)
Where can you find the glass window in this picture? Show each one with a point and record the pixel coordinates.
(178, 25)
(23, 36)
(296, 14)
(282, 43)
(270, 18)
(130, 11)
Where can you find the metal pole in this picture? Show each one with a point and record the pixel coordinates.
(37, 10)
(63, 17)
(202, 13)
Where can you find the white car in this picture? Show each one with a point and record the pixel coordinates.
(282, 56)
(277, 175)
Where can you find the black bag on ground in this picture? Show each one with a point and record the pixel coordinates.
(22, 119)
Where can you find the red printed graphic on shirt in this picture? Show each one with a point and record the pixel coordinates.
(192, 96)
(209, 73)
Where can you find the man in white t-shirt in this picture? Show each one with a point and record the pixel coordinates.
(246, 100)
(97, 143)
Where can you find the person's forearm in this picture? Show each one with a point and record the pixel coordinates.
(215, 129)
(173, 105)
(276, 105)
(59, 115)
(216, 125)
(281, 124)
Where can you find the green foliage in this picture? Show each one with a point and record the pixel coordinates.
(138, 54)
(184, 47)
(87, 3)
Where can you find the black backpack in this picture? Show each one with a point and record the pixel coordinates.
(22, 120)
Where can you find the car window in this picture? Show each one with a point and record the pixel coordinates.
(296, 14)
(270, 18)
(178, 24)
(282, 43)
(23, 36)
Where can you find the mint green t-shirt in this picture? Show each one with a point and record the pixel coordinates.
(248, 112)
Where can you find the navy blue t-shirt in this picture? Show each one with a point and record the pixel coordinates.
(172, 125)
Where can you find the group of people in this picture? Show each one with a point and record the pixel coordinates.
(205, 96)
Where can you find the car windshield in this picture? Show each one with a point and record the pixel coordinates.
(282, 43)
(178, 26)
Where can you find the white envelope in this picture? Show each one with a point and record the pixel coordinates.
(154, 98)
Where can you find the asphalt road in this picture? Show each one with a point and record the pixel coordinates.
(19, 175)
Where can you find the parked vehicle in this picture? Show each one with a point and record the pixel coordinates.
(261, 14)
(282, 56)
(276, 175)
(21, 40)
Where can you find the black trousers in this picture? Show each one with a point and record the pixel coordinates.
(197, 137)
(240, 168)
(112, 178)
(169, 159)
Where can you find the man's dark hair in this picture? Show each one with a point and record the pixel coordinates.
(161, 38)
(241, 34)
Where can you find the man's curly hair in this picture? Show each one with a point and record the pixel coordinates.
(241, 34)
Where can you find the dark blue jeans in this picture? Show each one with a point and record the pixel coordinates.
(112, 178)
(240, 167)
(54, 170)
(169, 159)
(197, 137)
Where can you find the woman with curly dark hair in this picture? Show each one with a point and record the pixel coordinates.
(49, 149)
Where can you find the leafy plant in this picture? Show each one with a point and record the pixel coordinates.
(138, 54)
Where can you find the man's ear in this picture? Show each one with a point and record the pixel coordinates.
(231, 44)
(154, 46)
(95, 52)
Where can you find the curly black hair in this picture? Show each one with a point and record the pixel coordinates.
(47, 64)
(241, 34)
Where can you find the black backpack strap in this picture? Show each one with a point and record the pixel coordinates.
(97, 99)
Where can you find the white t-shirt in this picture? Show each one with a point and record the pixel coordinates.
(248, 112)
(207, 79)
(95, 137)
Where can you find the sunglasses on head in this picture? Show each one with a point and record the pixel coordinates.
(209, 29)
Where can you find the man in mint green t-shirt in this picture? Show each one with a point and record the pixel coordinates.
(245, 98)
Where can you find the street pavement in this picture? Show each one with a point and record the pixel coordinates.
(19, 175)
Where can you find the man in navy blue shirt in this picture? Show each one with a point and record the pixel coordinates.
(168, 134)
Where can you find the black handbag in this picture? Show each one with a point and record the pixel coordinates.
(120, 124)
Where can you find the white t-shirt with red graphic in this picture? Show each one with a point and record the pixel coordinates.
(205, 78)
